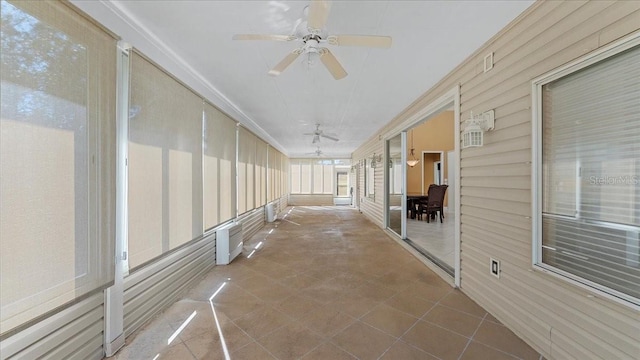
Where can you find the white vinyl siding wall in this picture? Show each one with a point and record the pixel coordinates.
(560, 320)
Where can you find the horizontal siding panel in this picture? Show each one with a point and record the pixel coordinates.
(252, 222)
(475, 238)
(620, 28)
(85, 342)
(151, 289)
(513, 131)
(515, 157)
(516, 208)
(608, 344)
(496, 216)
(567, 29)
(510, 182)
(517, 169)
(44, 336)
(506, 146)
(162, 296)
(507, 230)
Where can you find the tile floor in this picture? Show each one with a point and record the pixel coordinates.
(324, 283)
(435, 237)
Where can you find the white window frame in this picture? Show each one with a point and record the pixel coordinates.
(536, 176)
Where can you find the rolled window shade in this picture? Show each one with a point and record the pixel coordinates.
(57, 145)
(246, 170)
(591, 173)
(165, 163)
(261, 173)
(219, 186)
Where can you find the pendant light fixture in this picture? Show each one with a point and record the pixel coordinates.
(412, 160)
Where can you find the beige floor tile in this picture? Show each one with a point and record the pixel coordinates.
(210, 342)
(403, 351)
(436, 340)
(389, 320)
(373, 292)
(412, 305)
(324, 292)
(176, 352)
(252, 351)
(501, 338)
(476, 351)
(236, 303)
(328, 351)
(327, 321)
(291, 341)
(270, 292)
(394, 280)
(335, 287)
(353, 304)
(298, 306)
(450, 319)
(262, 321)
(299, 281)
(426, 292)
(363, 341)
(459, 301)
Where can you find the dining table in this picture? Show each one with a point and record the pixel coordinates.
(413, 199)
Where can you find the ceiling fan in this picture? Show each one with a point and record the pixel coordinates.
(318, 152)
(317, 134)
(312, 33)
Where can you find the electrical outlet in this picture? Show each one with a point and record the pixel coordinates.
(495, 267)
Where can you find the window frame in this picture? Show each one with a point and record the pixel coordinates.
(597, 56)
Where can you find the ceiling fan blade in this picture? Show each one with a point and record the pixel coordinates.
(263, 37)
(330, 137)
(309, 134)
(360, 40)
(332, 64)
(282, 65)
(318, 13)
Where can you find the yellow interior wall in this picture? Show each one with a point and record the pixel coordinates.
(436, 134)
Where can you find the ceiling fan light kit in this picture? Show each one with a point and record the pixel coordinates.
(312, 33)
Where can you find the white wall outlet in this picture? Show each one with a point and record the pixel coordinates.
(495, 267)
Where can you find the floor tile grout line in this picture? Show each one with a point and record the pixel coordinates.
(471, 337)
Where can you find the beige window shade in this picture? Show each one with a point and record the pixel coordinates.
(591, 173)
(219, 186)
(284, 178)
(261, 173)
(246, 170)
(57, 145)
(295, 177)
(271, 173)
(165, 163)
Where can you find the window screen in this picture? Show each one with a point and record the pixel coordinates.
(219, 186)
(591, 173)
(57, 145)
(165, 163)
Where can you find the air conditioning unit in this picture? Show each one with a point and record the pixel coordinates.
(228, 243)
(270, 211)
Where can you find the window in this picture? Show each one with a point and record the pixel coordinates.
(165, 163)
(57, 140)
(219, 167)
(588, 171)
(312, 176)
(370, 173)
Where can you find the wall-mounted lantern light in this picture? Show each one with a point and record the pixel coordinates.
(375, 159)
(475, 126)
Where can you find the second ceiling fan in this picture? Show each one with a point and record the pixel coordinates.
(312, 33)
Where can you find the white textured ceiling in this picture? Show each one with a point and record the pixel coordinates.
(192, 39)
